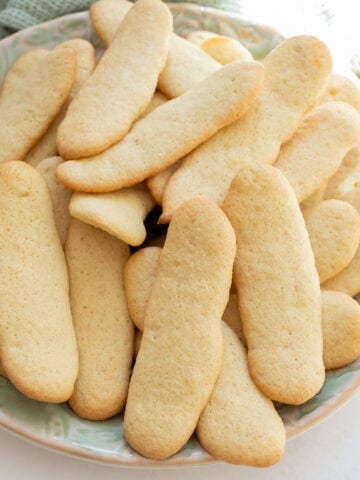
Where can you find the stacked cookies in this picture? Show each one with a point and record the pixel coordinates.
(247, 299)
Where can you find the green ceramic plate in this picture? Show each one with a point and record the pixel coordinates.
(56, 426)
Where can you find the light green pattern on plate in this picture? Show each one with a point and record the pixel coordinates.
(56, 426)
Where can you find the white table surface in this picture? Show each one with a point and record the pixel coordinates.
(329, 451)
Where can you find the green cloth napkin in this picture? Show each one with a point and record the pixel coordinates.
(18, 14)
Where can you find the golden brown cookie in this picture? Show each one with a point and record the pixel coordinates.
(181, 349)
(122, 84)
(103, 328)
(120, 213)
(239, 423)
(317, 148)
(278, 285)
(139, 276)
(334, 231)
(341, 329)
(85, 55)
(37, 340)
(28, 110)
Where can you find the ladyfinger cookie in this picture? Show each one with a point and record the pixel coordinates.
(348, 280)
(139, 276)
(225, 49)
(186, 66)
(347, 176)
(27, 110)
(344, 181)
(106, 17)
(37, 340)
(334, 231)
(185, 122)
(85, 55)
(103, 328)
(60, 195)
(278, 285)
(199, 36)
(181, 349)
(19, 70)
(296, 73)
(342, 89)
(341, 329)
(239, 423)
(120, 213)
(121, 85)
(186, 63)
(317, 148)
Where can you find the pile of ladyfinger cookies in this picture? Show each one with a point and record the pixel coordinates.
(247, 299)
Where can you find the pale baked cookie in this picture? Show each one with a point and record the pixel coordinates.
(199, 36)
(186, 66)
(139, 277)
(317, 148)
(348, 280)
(231, 316)
(334, 231)
(27, 110)
(120, 213)
(347, 176)
(240, 424)
(225, 49)
(60, 195)
(186, 63)
(85, 56)
(106, 17)
(341, 329)
(19, 70)
(342, 89)
(274, 271)
(296, 72)
(37, 340)
(103, 328)
(121, 85)
(181, 349)
(184, 123)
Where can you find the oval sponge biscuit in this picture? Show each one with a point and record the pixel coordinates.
(181, 349)
(278, 285)
(334, 232)
(37, 339)
(240, 424)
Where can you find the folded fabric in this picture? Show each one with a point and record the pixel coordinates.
(18, 14)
